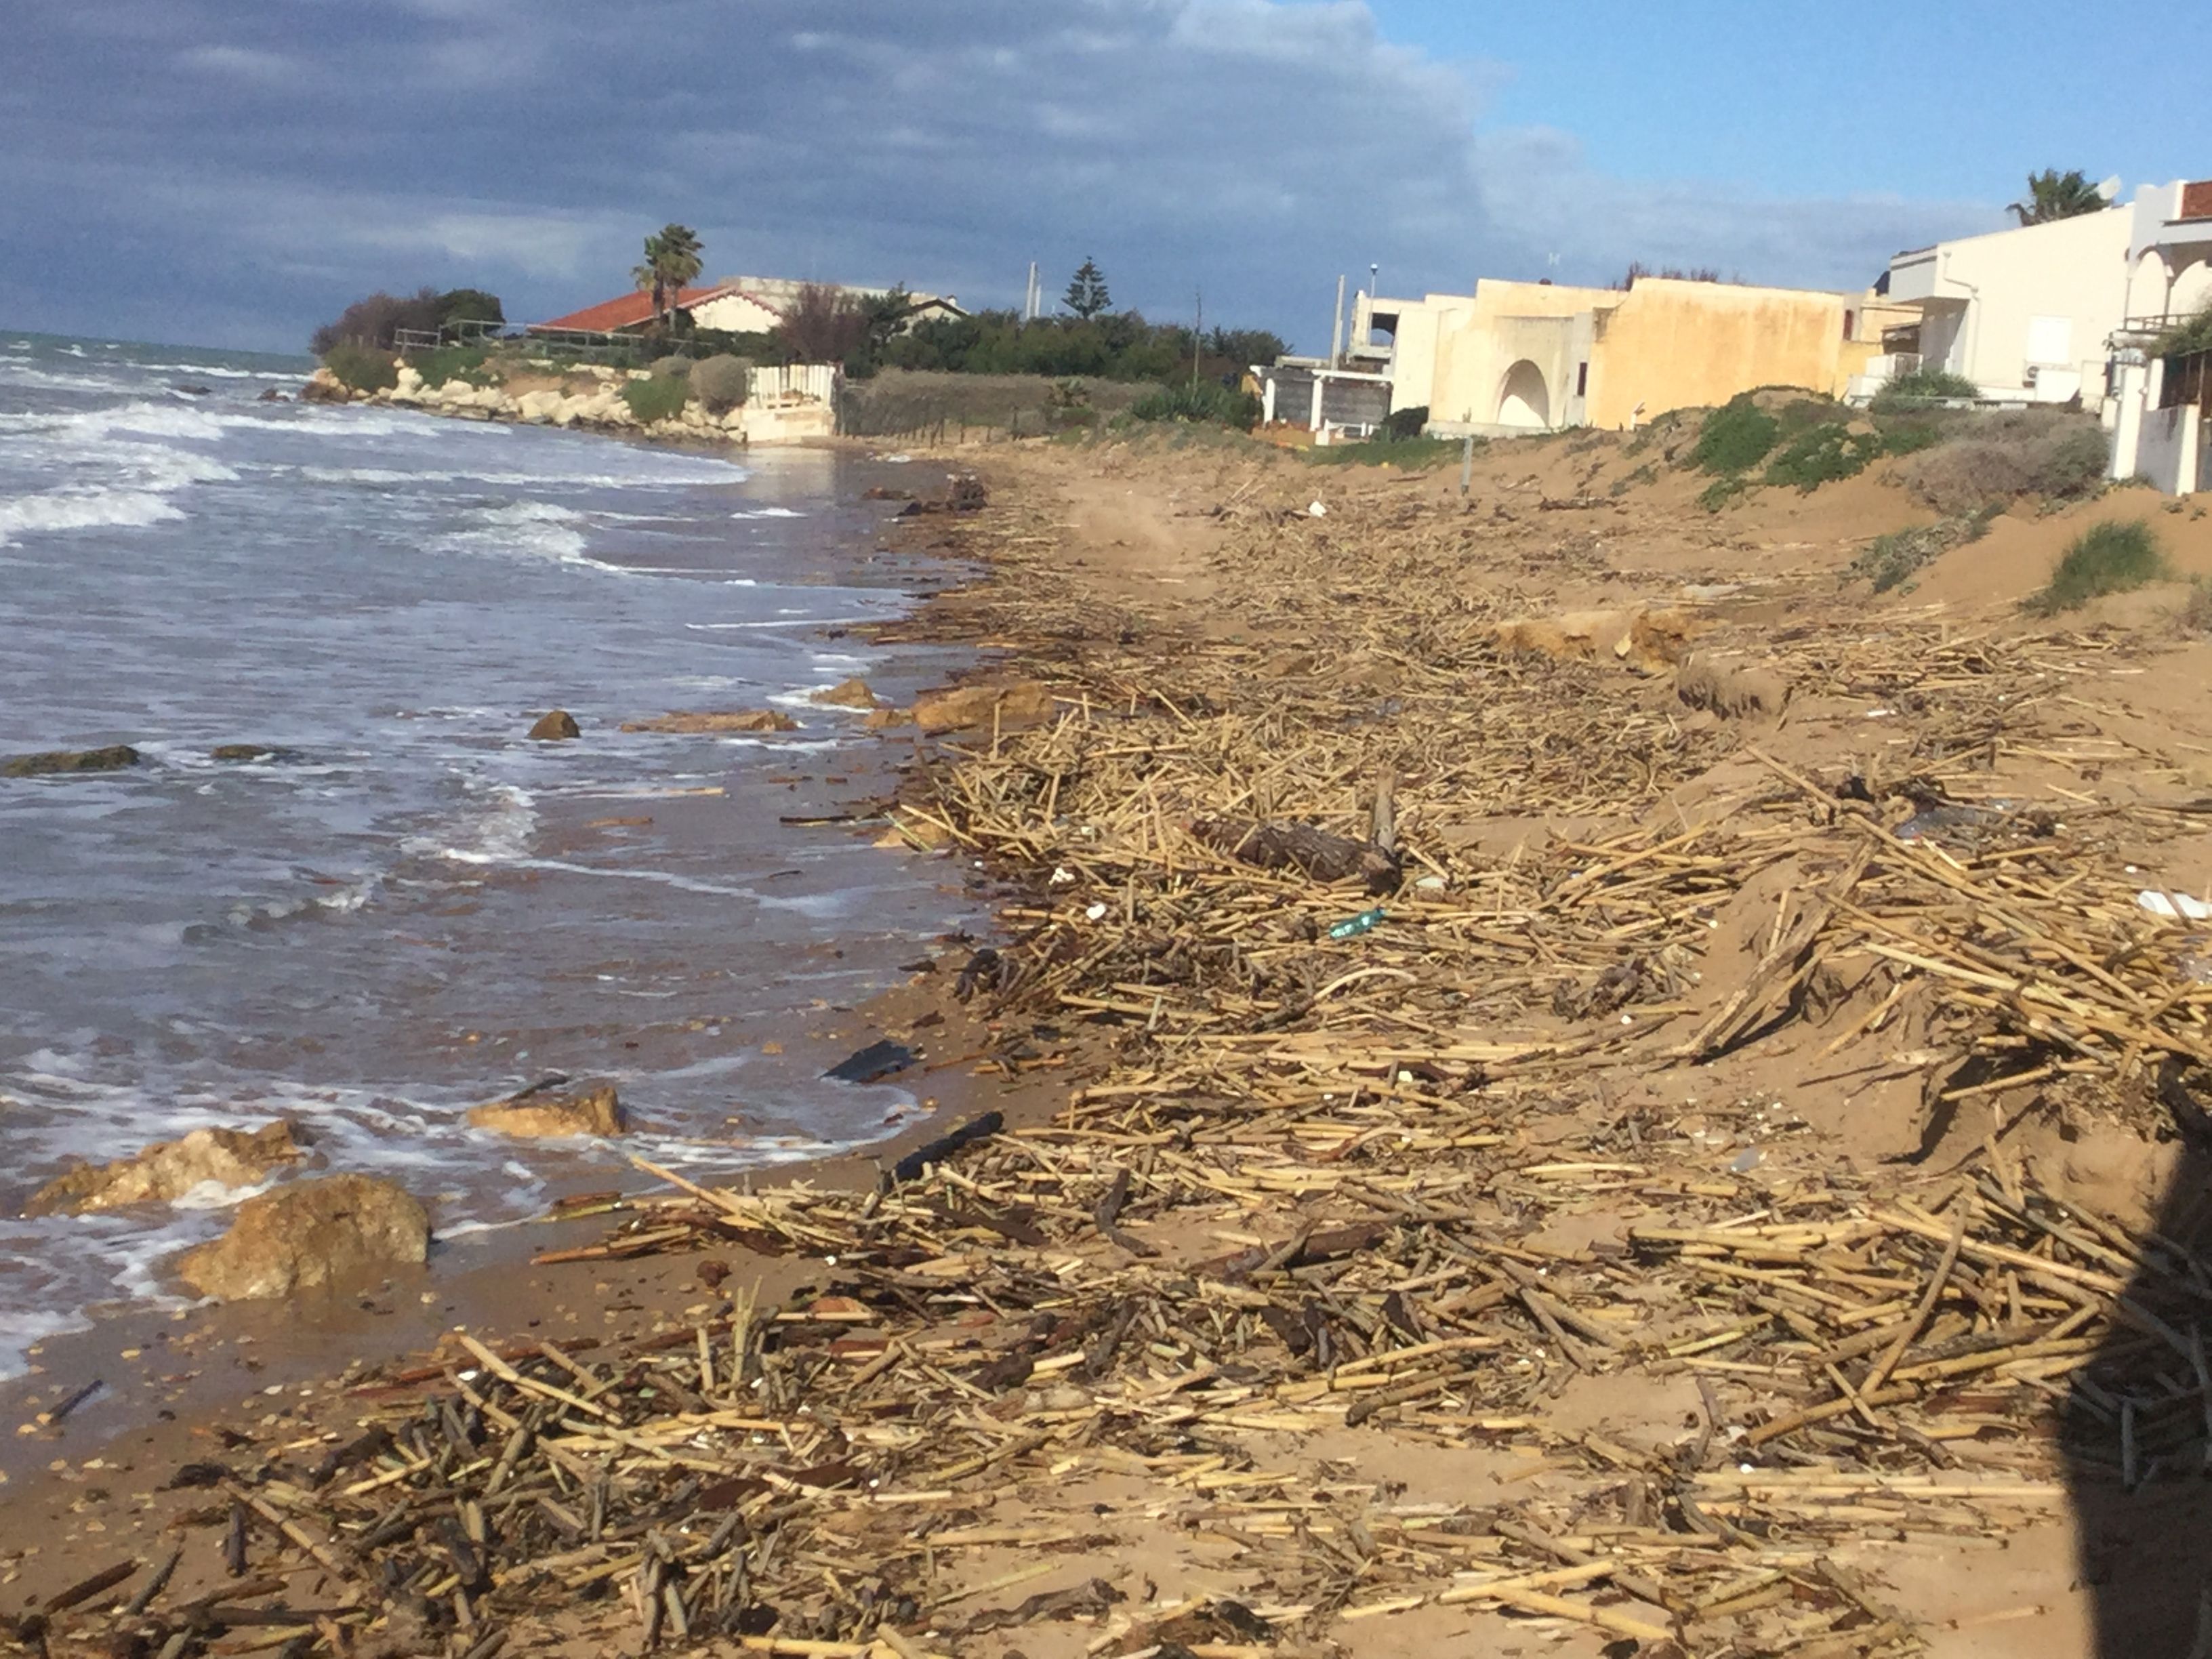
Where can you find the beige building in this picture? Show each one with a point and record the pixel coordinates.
(1534, 356)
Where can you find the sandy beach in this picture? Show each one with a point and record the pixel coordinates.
(1570, 1082)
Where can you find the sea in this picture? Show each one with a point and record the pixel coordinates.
(403, 906)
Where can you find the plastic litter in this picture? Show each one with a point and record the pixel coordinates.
(2173, 906)
(1353, 927)
(878, 1060)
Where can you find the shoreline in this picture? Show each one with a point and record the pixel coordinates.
(1380, 1295)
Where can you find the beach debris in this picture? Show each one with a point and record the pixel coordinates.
(956, 1139)
(963, 492)
(308, 1235)
(2173, 907)
(167, 1170)
(545, 1111)
(852, 693)
(1006, 708)
(694, 721)
(1731, 689)
(555, 725)
(112, 758)
(56, 1414)
(877, 1061)
(886, 492)
(1315, 853)
(1353, 927)
(1317, 510)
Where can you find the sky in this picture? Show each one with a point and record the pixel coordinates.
(233, 172)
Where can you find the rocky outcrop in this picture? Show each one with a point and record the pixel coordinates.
(1025, 702)
(336, 1231)
(733, 720)
(168, 1169)
(113, 759)
(847, 694)
(240, 752)
(555, 726)
(542, 1114)
(325, 388)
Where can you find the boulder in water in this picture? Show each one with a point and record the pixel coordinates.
(539, 1114)
(113, 759)
(734, 719)
(168, 1169)
(555, 727)
(310, 1235)
(847, 694)
(242, 752)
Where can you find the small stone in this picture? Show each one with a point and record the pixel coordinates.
(847, 694)
(555, 726)
(735, 719)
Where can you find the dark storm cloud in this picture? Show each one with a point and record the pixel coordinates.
(235, 172)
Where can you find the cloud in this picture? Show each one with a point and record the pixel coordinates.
(177, 182)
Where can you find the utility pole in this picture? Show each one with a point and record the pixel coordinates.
(1197, 334)
(1336, 335)
(1030, 296)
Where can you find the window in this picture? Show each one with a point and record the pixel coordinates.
(1850, 318)
(1581, 381)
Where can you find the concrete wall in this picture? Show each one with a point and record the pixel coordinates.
(2041, 298)
(1671, 344)
(1506, 324)
(2169, 449)
(737, 313)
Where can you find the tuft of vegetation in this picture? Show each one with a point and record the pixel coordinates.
(2052, 195)
(375, 321)
(1404, 423)
(1996, 460)
(1892, 560)
(661, 397)
(1722, 490)
(1826, 453)
(1409, 454)
(721, 383)
(1735, 437)
(2106, 558)
(464, 363)
(678, 367)
(1208, 402)
(2190, 334)
(1921, 388)
(363, 368)
(1647, 473)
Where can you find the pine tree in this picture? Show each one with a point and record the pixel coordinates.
(1087, 293)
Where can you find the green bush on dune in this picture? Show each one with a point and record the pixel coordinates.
(2105, 558)
(661, 397)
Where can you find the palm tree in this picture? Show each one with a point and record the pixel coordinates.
(2052, 196)
(672, 261)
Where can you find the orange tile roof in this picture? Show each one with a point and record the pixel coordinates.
(632, 309)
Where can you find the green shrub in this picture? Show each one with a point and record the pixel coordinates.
(1994, 459)
(721, 383)
(362, 369)
(1721, 491)
(1921, 387)
(1644, 475)
(1209, 402)
(2192, 333)
(1824, 455)
(659, 398)
(1908, 437)
(1893, 559)
(2105, 558)
(1735, 437)
(1410, 453)
(1405, 423)
(672, 367)
(463, 363)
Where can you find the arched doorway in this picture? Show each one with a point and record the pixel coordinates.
(1522, 401)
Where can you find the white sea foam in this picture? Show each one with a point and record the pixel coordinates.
(83, 510)
(502, 835)
(769, 513)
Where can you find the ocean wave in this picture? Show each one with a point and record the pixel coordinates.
(500, 835)
(768, 513)
(83, 510)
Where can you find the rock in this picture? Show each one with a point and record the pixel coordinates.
(252, 751)
(539, 1115)
(735, 719)
(273, 396)
(168, 1169)
(555, 726)
(1733, 690)
(881, 718)
(113, 759)
(192, 389)
(308, 1235)
(847, 694)
(325, 388)
(1026, 703)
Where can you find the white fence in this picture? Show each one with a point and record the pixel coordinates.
(794, 383)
